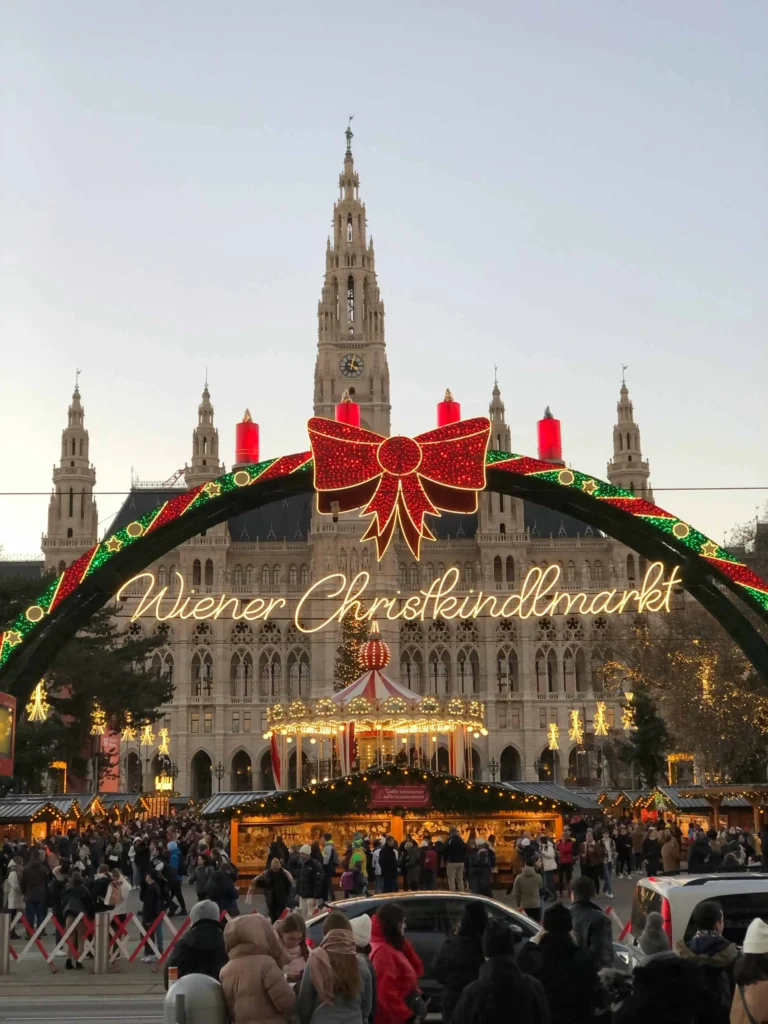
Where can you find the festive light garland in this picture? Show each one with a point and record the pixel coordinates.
(38, 707)
(753, 588)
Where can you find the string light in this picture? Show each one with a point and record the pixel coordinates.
(601, 722)
(128, 735)
(554, 736)
(576, 731)
(38, 707)
(98, 720)
(162, 747)
(147, 736)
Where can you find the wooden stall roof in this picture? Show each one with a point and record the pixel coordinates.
(21, 808)
(622, 797)
(578, 799)
(745, 794)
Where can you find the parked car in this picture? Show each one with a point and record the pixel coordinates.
(431, 916)
(743, 896)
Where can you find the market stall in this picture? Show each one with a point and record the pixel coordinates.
(32, 818)
(743, 805)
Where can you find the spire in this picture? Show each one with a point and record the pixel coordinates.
(500, 436)
(72, 512)
(627, 468)
(351, 346)
(205, 463)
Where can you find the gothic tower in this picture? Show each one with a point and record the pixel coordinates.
(627, 468)
(351, 353)
(498, 515)
(72, 514)
(205, 445)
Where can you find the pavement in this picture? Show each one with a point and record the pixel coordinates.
(135, 992)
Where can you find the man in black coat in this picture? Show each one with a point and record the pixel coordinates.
(200, 950)
(591, 926)
(455, 852)
(565, 971)
(388, 865)
(311, 882)
(700, 855)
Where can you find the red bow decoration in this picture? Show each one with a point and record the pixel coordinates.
(399, 479)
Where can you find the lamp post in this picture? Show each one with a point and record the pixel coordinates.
(219, 771)
(538, 764)
(173, 771)
(493, 767)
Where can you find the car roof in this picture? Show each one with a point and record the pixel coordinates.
(668, 883)
(421, 894)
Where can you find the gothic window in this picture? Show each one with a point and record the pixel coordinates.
(249, 576)
(293, 575)
(269, 633)
(294, 636)
(161, 580)
(631, 567)
(597, 574)
(546, 629)
(164, 630)
(73, 446)
(241, 634)
(467, 574)
(172, 581)
(501, 503)
(506, 631)
(510, 569)
(413, 575)
(276, 576)
(628, 444)
(238, 575)
(298, 674)
(643, 566)
(403, 573)
(438, 630)
(430, 571)
(410, 632)
(587, 571)
(135, 631)
(208, 572)
(62, 566)
(546, 670)
(70, 532)
(497, 569)
(600, 625)
(412, 669)
(573, 629)
(503, 529)
(600, 661)
(265, 576)
(468, 670)
(581, 671)
(197, 578)
(570, 573)
(621, 443)
(71, 500)
(350, 300)
(632, 486)
(162, 665)
(82, 504)
(354, 561)
(270, 673)
(440, 569)
(467, 632)
(507, 676)
(440, 681)
(241, 674)
(202, 633)
(304, 575)
(202, 674)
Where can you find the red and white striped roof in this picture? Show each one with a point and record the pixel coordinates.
(375, 686)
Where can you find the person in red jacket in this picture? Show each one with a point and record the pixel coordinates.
(398, 969)
(565, 854)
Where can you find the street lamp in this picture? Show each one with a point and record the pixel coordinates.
(493, 768)
(219, 771)
(173, 771)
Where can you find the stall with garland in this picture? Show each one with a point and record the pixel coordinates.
(373, 722)
(385, 800)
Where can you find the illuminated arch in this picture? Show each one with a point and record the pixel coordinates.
(29, 644)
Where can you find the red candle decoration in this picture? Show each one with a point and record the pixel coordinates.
(246, 441)
(448, 411)
(348, 411)
(550, 442)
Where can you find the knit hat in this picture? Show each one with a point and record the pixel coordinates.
(361, 928)
(205, 910)
(654, 938)
(756, 939)
(306, 851)
(557, 920)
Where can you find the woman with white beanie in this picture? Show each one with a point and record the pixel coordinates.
(750, 975)
(361, 929)
(201, 949)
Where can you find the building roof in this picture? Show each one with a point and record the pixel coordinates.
(224, 801)
(579, 799)
(681, 803)
(22, 807)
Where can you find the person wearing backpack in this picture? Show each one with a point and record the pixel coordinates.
(428, 865)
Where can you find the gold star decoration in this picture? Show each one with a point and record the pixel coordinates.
(710, 549)
(13, 637)
(589, 486)
(213, 490)
(114, 544)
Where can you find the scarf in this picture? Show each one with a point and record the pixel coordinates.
(338, 940)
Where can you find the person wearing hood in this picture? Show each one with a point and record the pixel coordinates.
(460, 957)
(526, 892)
(223, 891)
(565, 971)
(336, 984)
(255, 988)
(14, 898)
(713, 953)
(501, 987)
(670, 853)
(653, 938)
(292, 932)
(397, 966)
(201, 949)
(667, 990)
(700, 859)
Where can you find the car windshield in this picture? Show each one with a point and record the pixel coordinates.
(645, 902)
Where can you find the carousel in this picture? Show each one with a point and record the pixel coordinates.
(374, 722)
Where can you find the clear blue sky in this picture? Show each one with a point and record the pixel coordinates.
(555, 187)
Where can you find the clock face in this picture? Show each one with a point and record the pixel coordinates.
(351, 365)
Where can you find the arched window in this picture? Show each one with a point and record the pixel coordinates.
(298, 674)
(632, 486)
(304, 575)
(587, 571)
(468, 670)
(581, 671)
(161, 578)
(497, 569)
(413, 575)
(628, 444)
(270, 674)
(468, 574)
(631, 567)
(162, 665)
(73, 446)
(241, 674)
(642, 566)
(238, 575)
(62, 566)
(571, 572)
(202, 674)
(440, 681)
(440, 569)
(412, 669)
(242, 773)
(197, 577)
(510, 569)
(276, 576)
(350, 301)
(249, 576)
(70, 532)
(621, 443)
(430, 572)
(265, 576)
(510, 769)
(208, 572)
(202, 776)
(507, 678)
(71, 500)
(503, 529)
(501, 503)
(172, 581)
(403, 573)
(349, 227)
(597, 572)
(293, 575)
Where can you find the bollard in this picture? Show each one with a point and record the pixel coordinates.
(195, 999)
(5, 941)
(101, 943)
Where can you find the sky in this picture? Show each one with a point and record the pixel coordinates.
(554, 188)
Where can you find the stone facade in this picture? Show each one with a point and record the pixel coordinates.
(530, 672)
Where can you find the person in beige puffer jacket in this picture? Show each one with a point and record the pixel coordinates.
(526, 892)
(254, 985)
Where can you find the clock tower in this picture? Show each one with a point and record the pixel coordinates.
(351, 353)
